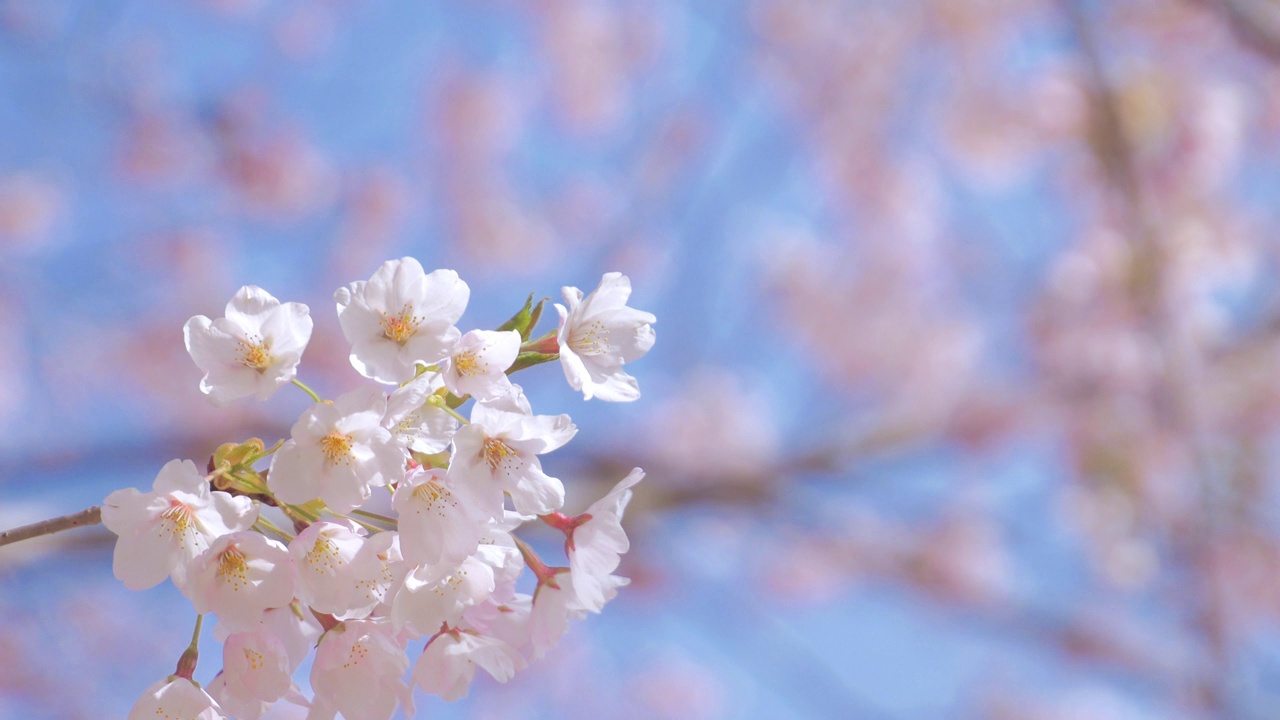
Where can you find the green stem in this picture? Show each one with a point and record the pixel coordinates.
(437, 401)
(374, 516)
(361, 523)
(307, 390)
(273, 528)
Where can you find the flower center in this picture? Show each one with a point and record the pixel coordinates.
(469, 364)
(336, 448)
(590, 339)
(358, 652)
(497, 453)
(430, 493)
(323, 556)
(253, 352)
(178, 521)
(255, 659)
(232, 568)
(399, 328)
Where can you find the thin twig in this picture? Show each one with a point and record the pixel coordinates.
(92, 516)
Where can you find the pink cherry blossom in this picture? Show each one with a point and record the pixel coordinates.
(241, 576)
(555, 605)
(176, 698)
(437, 526)
(429, 597)
(358, 672)
(323, 555)
(256, 672)
(595, 545)
(376, 567)
(163, 531)
(449, 662)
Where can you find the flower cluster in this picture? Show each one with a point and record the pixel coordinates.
(289, 560)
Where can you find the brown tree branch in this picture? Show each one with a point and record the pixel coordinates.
(92, 516)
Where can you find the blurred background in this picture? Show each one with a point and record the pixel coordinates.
(967, 384)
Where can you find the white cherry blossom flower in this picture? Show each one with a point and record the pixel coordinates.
(416, 424)
(477, 364)
(504, 615)
(253, 350)
(401, 317)
(256, 672)
(241, 576)
(358, 672)
(598, 335)
(323, 555)
(554, 606)
(449, 662)
(375, 569)
(498, 452)
(163, 531)
(429, 596)
(437, 526)
(337, 452)
(176, 698)
(595, 545)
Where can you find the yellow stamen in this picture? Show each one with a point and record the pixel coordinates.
(592, 339)
(253, 352)
(468, 364)
(323, 556)
(255, 659)
(233, 569)
(178, 522)
(399, 328)
(496, 453)
(337, 448)
(358, 653)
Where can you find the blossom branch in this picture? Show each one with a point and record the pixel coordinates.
(91, 516)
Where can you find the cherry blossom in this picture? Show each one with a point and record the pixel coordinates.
(477, 365)
(598, 335)
(401, 317)
(504, 615)
(163, 531)
(594, 546)
(256, 672)
(428, 596)
(351, 583)
(176, 698)
(376, 567)
(437, 526)
(337, 452)
(241, 576)
(449, 662)
(323, 555)
(253, 350)
(499, 452)
(554, 605)
(357, 672)
(416, 424)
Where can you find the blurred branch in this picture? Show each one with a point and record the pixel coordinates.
(1255, 24)
(92, 516)
(1182, 374)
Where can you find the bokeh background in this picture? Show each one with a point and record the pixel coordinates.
(967, 384)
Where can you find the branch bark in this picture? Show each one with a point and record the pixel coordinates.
(91, 516)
